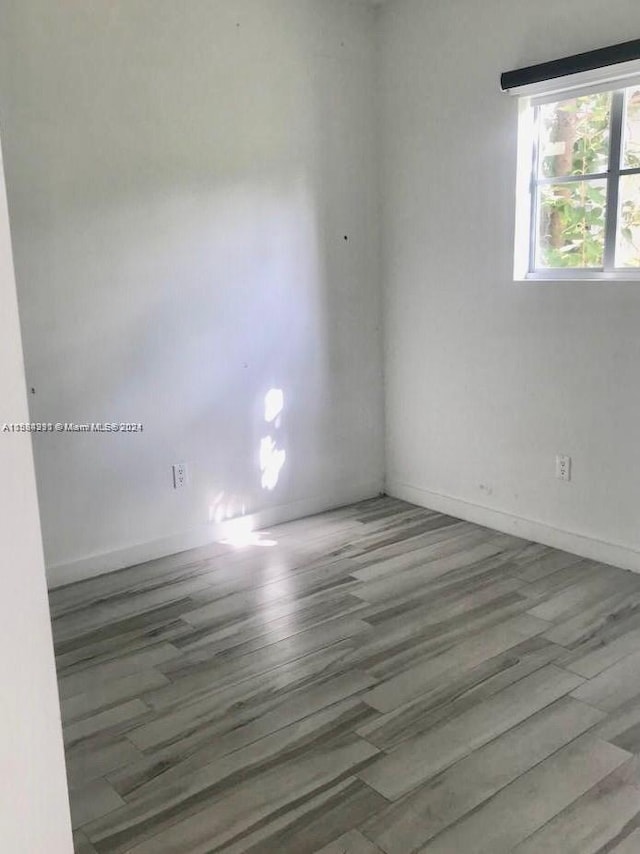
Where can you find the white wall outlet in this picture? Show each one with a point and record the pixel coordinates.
(563, 467)
(179, 475)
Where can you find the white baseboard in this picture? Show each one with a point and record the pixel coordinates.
(589, 547)
(99, 564)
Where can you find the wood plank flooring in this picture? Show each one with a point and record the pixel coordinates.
(382, 679)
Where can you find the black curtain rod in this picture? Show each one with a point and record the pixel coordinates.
(589, 61)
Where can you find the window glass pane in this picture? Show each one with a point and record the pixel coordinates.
(628, 245)
(631, 129)
(571, 224)
(574, 136)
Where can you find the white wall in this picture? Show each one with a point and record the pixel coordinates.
(34, 808)
(181, 179)
(487, 380)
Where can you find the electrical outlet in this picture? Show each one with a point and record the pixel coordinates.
(179, 475)
(563, 467)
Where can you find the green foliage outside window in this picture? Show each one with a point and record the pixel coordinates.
(572, 215)
(574, 144)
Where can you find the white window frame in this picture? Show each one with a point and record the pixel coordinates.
(528, 182)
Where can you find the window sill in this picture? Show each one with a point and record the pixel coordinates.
(564, 276)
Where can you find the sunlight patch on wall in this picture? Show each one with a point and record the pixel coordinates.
(224, 507)
(271, 461)
(236, 528)
(273, 404)
(272, 458)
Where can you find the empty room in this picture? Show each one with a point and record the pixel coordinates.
(319, 418)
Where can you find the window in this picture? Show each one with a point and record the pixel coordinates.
(582, 186)
(578, 186)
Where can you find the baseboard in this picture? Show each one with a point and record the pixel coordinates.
(528, 529)
(98, 564)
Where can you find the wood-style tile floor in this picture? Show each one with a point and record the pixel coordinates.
(384, 679)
